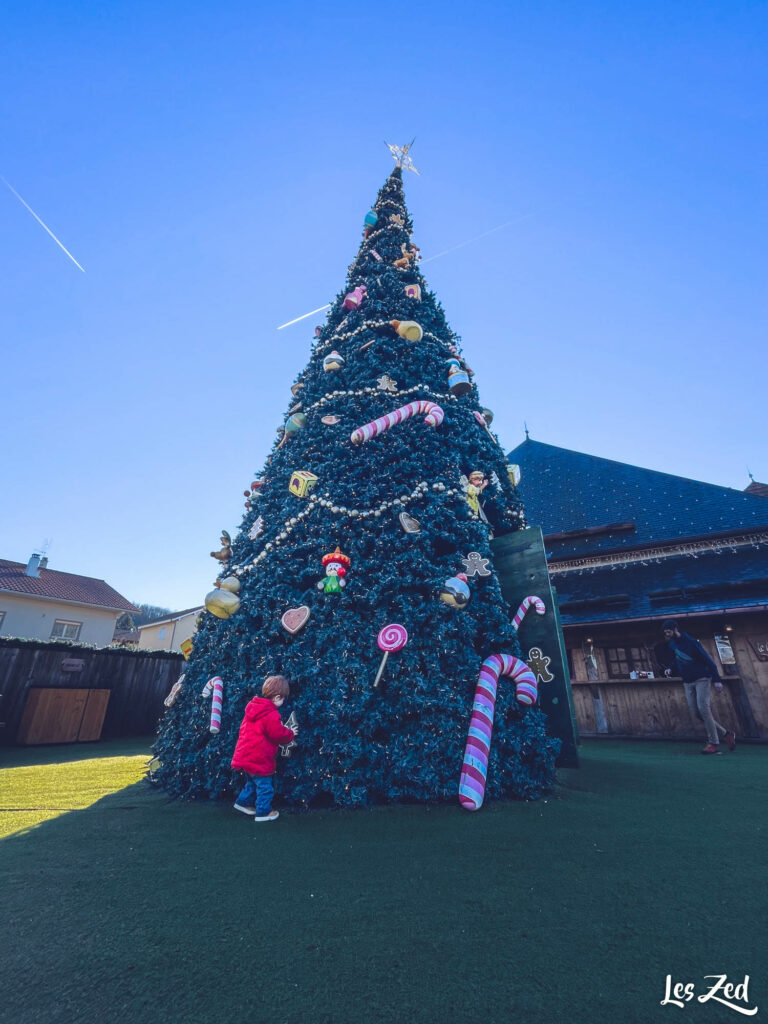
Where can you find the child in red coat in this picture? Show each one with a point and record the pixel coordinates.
(261, 733)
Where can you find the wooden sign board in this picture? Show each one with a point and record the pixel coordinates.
(724, 650)
(759, 645)
(72, 665)
(521, 563)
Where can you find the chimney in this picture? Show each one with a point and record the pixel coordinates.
(33, 565)
(43, 562)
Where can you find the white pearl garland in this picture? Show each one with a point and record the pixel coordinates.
(334, 339)
(389, 226)
(350, 334)
(316, 501)
(441, 396)
(370, 237)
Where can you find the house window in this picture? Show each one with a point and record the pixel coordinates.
(623, 660)
(65, 630)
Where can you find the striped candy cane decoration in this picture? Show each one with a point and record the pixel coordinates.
(475, 766)
(215, 686)
(434, 417)
(525, 604)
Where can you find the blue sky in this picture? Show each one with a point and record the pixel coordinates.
(210, 165)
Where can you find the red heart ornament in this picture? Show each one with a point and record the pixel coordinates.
(295, 619)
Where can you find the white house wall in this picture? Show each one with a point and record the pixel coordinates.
(167, 636)
(33, 619)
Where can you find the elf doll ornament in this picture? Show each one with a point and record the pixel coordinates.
(336, 564)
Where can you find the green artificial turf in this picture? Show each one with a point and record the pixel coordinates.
(647, 861)
(40, 783)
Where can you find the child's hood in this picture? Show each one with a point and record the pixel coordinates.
(258, 708)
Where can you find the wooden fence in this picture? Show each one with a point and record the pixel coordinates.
(138, 682)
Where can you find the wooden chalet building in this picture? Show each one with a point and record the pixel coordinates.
(629, 547)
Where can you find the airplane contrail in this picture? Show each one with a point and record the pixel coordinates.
(477, 238)
(453, 248)
(43, 225)
(304, 316)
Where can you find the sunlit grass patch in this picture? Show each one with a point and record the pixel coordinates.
(33, 793)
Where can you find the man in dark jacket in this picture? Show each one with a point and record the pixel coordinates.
(688, 658)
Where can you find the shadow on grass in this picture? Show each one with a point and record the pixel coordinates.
(64, 753)
(574, 908)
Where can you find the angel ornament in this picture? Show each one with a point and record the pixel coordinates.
(473, 489)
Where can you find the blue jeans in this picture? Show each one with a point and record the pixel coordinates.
(257, 791)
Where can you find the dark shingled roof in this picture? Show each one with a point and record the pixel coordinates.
(61, 586)
(563, 491)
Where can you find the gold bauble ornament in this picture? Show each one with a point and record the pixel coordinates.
(230, 583)
(408, 329)
(222, 603)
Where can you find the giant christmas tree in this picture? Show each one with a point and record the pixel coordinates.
(382, 537)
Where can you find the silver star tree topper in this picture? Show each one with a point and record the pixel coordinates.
(401, 157)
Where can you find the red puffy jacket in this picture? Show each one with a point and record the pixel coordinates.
(261, 733)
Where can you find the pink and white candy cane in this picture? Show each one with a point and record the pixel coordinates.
(215, 686)
(475, 766)
(525, 604)
(434, 417)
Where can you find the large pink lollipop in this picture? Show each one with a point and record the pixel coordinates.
(393, 637)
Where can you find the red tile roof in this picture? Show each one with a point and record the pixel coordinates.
(61, 586)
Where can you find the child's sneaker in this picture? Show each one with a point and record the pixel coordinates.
(730, 740)
(267, 817)
(711, 748)
(245, 810)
